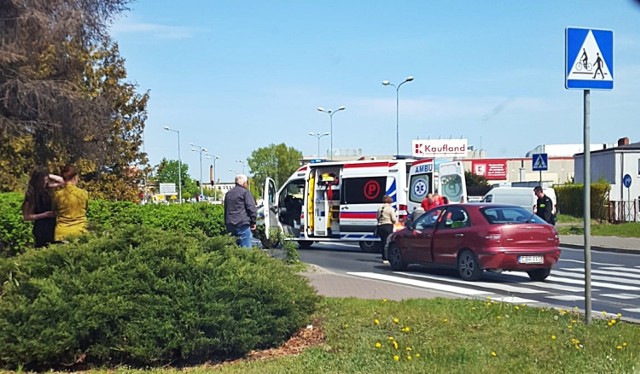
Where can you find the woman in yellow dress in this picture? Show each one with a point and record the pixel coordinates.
(70, 204)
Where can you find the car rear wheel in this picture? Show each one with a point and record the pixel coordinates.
(539, 274)
(370, 246)
(305, 244)
(468, 266)
(395, 258)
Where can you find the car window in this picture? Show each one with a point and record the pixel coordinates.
(455, 218)
(428, 220)
(502, 215)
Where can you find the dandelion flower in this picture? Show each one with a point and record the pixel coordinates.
(553, 337)
(445, 320)
(604, 312)
(619, 315)
(517, 308)
(493, 354)
(417, 355)
(396, 358)
(406, 329)
(395, 344)
(409, 349)
(624, 344)
(376, 321)
(618, 347)
(390, 337)
(378, 345)
(384, 300)
(574, 321)
(613, 321)
(396, 320)
(408, 358)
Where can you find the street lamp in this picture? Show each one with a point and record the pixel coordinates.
(242, 162)
(199, 149)
(387, 83)
(179, 165)
(331, 113)
(213, 177)
(318, 136)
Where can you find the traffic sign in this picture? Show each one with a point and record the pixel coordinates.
(588, 59)
(626, 180)
(539, 162)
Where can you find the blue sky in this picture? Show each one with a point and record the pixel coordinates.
(234, 76)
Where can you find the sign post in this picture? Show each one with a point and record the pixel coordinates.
(588, 65)
(540, 162)
(626, 181)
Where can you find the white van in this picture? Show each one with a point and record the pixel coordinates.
(521, 196)
(332, 201)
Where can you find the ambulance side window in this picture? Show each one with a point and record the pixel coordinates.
(364, 190)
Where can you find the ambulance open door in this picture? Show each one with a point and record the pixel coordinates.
(270, 207)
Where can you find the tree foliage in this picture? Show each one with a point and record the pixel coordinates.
(64, 98)
(275, 161)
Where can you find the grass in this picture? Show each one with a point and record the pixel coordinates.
(454, 336)
(627, 230)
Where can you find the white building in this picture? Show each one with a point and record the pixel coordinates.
(612, 165)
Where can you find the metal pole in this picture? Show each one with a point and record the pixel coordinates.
(201, 191)
(540, 177)
(398, 119)
(215, 195)
(179, 171)
(331, 131)
(587, 209)
(318, 137)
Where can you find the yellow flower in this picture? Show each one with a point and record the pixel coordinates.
(396, 320)
(553, 337)
(604, 312)
(395, 344)
(396, 358)
(624, 344)
(390, 337)
(376, 321)
(378, 345)
(384, 300)
(445, 320)
(409, 358)
(406, 329)
(493, 354)
(618, 347)
(619, 315)
(499, 317)
(417, 355)
(574, 321)
(613, 321)
(409, 349)
(517, 308)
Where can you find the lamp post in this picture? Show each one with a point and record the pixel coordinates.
(318, 136)
(213, 176)
(179, 165)
(199, 149)
(387, 83)
(242, 162)
(331, 113)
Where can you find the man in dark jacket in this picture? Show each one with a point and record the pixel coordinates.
(544, 206)
(240, 212)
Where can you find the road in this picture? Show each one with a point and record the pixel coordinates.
(615, 279)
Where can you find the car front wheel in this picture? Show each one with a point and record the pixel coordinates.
(395, 257)
(468, 266)
(539, 274)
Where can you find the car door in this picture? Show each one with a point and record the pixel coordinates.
(270, 206)
(450, 235)
(417, 241)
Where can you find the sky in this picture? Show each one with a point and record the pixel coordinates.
(235, 76)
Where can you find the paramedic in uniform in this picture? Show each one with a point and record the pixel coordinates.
(544, 206)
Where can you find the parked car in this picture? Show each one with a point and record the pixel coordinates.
(477, 237)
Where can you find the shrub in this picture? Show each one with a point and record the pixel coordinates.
(16, 237)
(145, 297)
(571, 199)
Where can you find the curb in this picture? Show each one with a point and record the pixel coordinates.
(602, 249)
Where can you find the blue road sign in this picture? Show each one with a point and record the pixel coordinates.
(539, 162)
(626, 180)
(588, 59)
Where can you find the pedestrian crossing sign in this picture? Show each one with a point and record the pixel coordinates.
(539, 161)
(589, 59)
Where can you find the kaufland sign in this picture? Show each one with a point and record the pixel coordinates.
(440, 148)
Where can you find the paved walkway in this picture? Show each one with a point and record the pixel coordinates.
(333, 284)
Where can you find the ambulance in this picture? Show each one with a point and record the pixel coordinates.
(337, 201)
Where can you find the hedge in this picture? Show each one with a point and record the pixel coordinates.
(16, 237)
(571, 199)
(145, 297)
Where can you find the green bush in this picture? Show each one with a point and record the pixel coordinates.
(16, 237)
(571, 199)
(145, 297)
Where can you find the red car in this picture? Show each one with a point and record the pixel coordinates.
(477, 237)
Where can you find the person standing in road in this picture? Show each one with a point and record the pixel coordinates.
(428, 203)
(71, 204)
(544, 206)
(386, 219)
(240, 212)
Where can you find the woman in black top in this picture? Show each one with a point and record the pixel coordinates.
(38, 207)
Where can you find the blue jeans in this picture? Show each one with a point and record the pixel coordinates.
(242, 234)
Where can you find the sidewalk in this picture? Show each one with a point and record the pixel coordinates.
(332, 284)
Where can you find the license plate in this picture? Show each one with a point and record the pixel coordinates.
(531, 260)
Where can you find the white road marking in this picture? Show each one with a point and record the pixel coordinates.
(421, 284)
(598, 277)
(605, 272)
(514, 300)
(597, 284)
(632, 310)
(495, 286)
(626, 269)
(567, 297)
(592, 263)
(623, 296)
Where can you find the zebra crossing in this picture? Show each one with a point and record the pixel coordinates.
(614, 288)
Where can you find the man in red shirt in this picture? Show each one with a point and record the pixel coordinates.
(428, 202)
